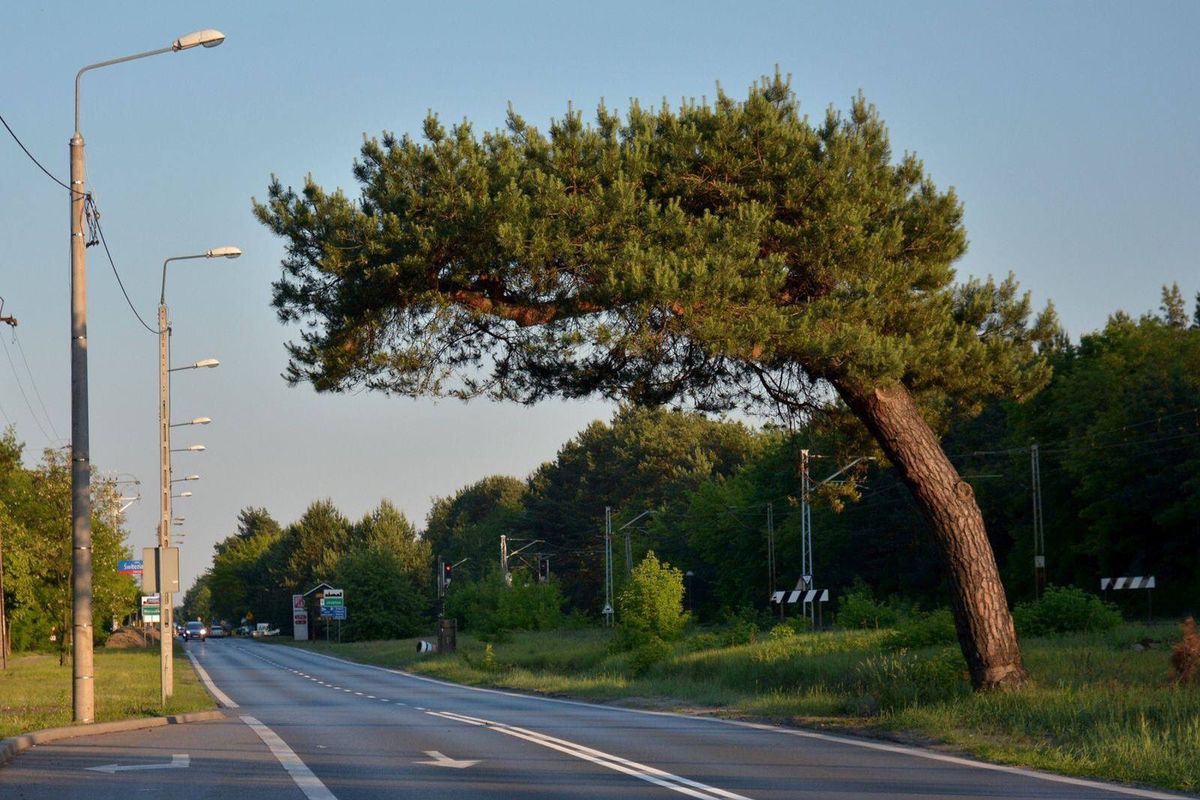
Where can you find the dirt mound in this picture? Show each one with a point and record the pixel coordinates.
(131, 637)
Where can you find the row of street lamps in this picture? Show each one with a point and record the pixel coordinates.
(83, 683)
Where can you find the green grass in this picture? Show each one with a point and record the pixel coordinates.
(35, 692)
(1096, 707)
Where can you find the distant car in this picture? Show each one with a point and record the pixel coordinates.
(195, 630)
(217, 632)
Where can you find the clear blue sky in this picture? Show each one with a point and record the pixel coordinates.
(1069, 130)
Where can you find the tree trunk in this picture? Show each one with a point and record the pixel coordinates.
(981, 616)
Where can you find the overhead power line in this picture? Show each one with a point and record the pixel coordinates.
(32, 158)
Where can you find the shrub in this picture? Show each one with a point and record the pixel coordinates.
(897, 680)
(1063, 609)
(1185, 656)
(651, 605)
(489, 606)
(858, 609)
(650, 652)
(925, 630)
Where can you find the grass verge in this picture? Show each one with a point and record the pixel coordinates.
(1098, 707)
(35, 692)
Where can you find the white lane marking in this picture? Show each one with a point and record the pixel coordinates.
(658, 777)
(222, 698)
(178, 761)
(304, 778)
(843, 740)
(440, 760)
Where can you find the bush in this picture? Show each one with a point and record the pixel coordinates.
(1064, 609)
(858, 609)
(650, 652)
(489, 606)
(651, 605)
(925, 630)
(891, 681)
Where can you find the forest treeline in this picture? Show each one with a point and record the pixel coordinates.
(1118, 438)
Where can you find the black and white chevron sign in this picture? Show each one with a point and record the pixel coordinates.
(1137, 582)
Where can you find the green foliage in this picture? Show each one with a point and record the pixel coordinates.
(652, 650)
(489, 606)
(894, 680)
(35, 523)
(651, 604)
(383, 597)
(930, 629)
(858, 609)
(1065, 609)
(468, 525)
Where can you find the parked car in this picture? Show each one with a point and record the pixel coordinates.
(195, 630)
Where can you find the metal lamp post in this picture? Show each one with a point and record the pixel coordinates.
(82, 686)
(165, 621)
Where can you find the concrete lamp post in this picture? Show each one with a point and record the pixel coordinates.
(166, 665)
(82, 682)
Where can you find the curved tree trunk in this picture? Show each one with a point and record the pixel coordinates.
(981, 616)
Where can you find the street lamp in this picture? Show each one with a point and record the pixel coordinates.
(196, 421)
(166, 662)
(82, 682)
(182, 494)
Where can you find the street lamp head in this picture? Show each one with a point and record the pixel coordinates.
(184, 494)
(196, 448)
(192, 478)
(206, 363)
(201, 420)
(206, 38)
(224, 252)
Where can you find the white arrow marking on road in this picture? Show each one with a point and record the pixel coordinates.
(178, 761)
(440, 760)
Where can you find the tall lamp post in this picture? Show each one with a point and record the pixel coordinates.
(83, 686)
(165, 621)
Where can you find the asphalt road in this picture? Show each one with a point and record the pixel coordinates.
(300, 726)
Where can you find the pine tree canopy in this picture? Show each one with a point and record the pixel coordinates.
(723, 255)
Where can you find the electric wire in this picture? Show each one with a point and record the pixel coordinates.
(33, 382)
(95, 217)
(25, 149)
(25, 397)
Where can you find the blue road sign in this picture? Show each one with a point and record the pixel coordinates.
(130, 567)
(337, 612)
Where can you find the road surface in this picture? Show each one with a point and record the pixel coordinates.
(301, 726)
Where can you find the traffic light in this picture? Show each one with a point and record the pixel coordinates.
(447, 569)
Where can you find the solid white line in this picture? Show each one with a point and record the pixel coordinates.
(304, 778)
(1129, 791)
(222, 698)
(658, 777)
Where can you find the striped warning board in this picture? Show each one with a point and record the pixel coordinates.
(810, 596)
(1136, 582)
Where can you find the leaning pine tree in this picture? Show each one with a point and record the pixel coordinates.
(732, 255)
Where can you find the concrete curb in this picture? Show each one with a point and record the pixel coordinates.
(10, 747)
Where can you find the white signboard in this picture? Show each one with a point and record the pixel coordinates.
(299, 618)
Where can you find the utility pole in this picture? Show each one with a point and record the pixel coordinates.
(3, 614)
(1039, 533)
(82, 678)
(771, 555)
(166, 628)
(504, 573)
(608, 587)
(4, 648)
(806, 555)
